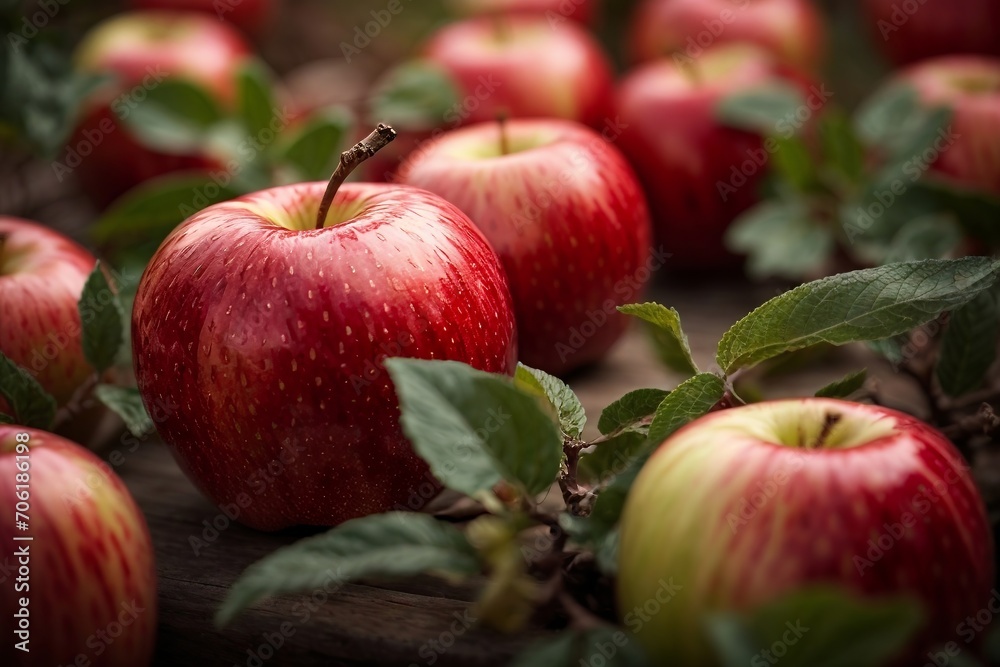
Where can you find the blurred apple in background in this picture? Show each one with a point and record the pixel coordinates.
(92, 582)
(583, 11)
(791, 30)
(688, 161)
(567, 216)
(518, 66)
(909, 31)
(42, 274)
(522, 66)
(969, 150)
(141, 50)
(249, 15)
(746, 505)
(272, 347)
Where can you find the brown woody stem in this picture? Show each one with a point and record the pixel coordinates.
(349, 161)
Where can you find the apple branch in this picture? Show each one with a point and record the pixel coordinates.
(349, 161)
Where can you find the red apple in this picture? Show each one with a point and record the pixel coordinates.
(691, 165)
(522, 66)
(567, 216)
(748, 504)
(969, 150)
(910, 30)
(583, 11)
(82, 590)
(42, 274)
(142, 49)
(269, 334)
(791, 30)
(249, 15)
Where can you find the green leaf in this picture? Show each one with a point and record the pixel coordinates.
(6, 419)
(474, 428)
(842, 148)
(127, 404)
(395, 544)
(557, 652)
(154, 208)
(416, 95)
(760, 109)
(891, 349)
(781, 239)
(894, 120)
(934, 236)
(313, 148)
(32, 405)
(969, 344)
(668, 338)
(630, 409)
(613, 646)
(256, 106)
(40, 92)
(175, 117)
(610, 457)
(868, 304)
(975, 211)
(794, 164)
(103, 321)
(690, 400)
(572, 417)
(845, 386)
(818, 627)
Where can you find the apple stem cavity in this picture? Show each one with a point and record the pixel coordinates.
(350, 159)
(501, 28)
(689, 68)
(504, 143)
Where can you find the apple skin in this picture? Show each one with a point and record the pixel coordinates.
(970, 86)
(42, 274)
(567, 217)
(140, 48)
(936, 28)
(738, 511)
(584, 11)
(270, 341)
(248, 15)
(681, 153)
(526, 68)
(91, 559)
(791, 30)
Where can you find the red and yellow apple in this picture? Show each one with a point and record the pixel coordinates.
(567, 216)
(791, 30)
(910, 30)
(248, 15)
(748, 504)
(42, 274)
(583, 11)
(269, 334)
(142, 49)
(968, 152)
(522, 66)
(692, 166)
(82, 588)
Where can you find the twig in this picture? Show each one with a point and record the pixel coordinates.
(349, 161)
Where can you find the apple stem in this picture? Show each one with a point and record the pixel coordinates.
(501, 28)
(502, 122)
(829, 421)
(349, 161)
(689, 67)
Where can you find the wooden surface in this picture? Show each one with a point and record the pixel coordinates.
(412, 622)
